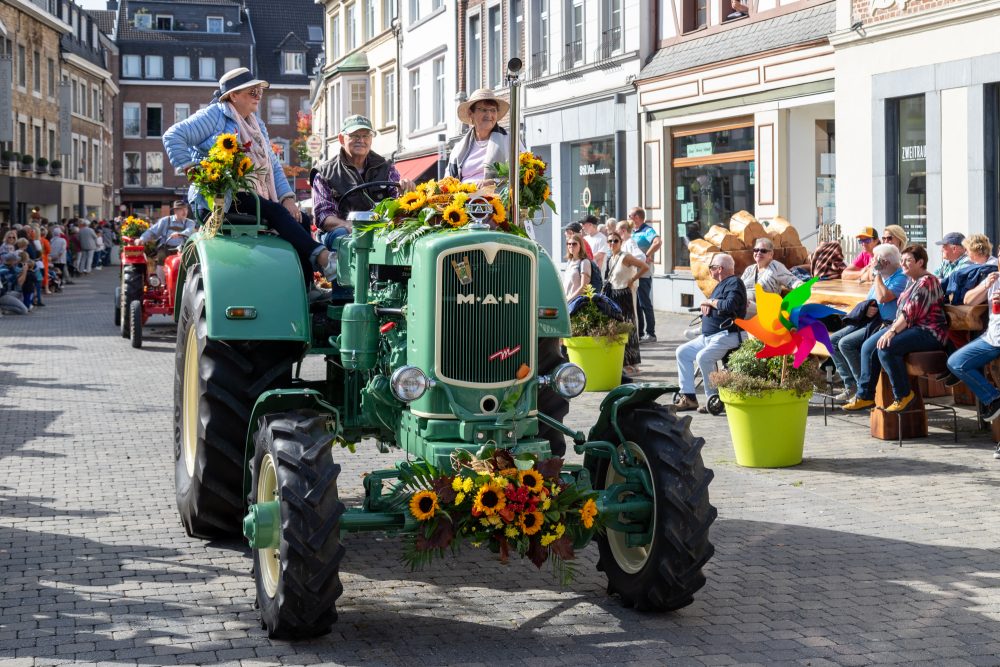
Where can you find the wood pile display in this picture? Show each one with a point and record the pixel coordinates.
(738, 242)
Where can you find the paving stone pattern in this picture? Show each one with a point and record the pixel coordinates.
(864, 554)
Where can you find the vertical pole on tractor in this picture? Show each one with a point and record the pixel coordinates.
(513, 174)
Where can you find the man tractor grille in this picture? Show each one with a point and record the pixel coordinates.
(487, 326)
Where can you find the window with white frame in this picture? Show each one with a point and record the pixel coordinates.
(359, 97)
(611, 27)
(206, 69)
(437, 117)
(414, 11)
(293, 62)
(132, 163)
(154, 67)
(436, 5)
(494, 46)
(215, 24)
(182, 67)
(414, 100)
(181, 111)
(335, 37)
(98, 162)
(154, 170)
(389, 97)
(573, 54)
(388, 13)
(230, 64)
(131, 119)
(154, 120)
(95, 106)
(516, 17)
(131, 67)
(351, 24)
(164, 22)
(540, 38)
(277, 110)
(36, 71)
(475, 64)
(369, 26)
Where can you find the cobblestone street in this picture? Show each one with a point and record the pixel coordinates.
(867, 553)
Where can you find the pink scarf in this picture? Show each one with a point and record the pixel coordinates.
(259, 153)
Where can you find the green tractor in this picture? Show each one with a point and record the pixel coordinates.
(424, 359)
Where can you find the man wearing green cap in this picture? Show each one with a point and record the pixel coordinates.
(355, 163)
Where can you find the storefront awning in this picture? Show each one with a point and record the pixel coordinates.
(414, 168)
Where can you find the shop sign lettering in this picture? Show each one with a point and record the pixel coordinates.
(697, 150)
(911, 153)
(591, 169)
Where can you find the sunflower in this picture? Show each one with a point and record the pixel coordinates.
(423, 504)
(587, 513)
(499, 213)
(530, 479)
(489, 499)
(508, 472)
(220, 155)
(246, 164)
(528, 176)
(467, 187)
(228, 143)
(455, 216)
(526, 157)
(546, 193)
(530, 522)
(412, 201)
(448, 184)
(427, 187)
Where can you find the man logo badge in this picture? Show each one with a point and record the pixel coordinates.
(487, 300)
(479, 210)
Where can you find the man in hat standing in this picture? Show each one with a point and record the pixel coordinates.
(170, 231)
(952, 253)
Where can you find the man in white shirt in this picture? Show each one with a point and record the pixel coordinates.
(597, 241)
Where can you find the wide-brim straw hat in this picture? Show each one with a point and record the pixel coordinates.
(238, 79)
(482, 95)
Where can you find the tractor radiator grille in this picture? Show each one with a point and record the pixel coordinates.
(487, 325)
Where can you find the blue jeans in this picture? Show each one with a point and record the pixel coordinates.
(846, 355)
(706, 352)
(968, 363)
(329, 238)
(913, 339)
(647, 321)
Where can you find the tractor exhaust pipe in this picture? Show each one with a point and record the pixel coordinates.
(513, 77)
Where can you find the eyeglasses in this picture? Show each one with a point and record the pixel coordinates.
(614, 240)
(256, 93)
(569, 243)
(714, 266)
(866, 240)
(361, 136)
(890, 239)
(762, 251)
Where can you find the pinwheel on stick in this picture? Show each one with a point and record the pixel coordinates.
(788, 325)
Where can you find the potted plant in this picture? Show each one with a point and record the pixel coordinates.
(767, 401)
(41, 165)
(55, 167)
(598, 342)
(7, 157)
(26, 162)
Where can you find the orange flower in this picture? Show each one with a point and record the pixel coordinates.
(528, 176)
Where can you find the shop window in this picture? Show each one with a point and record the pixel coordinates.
(713, 178)
(826, 173)
(906, 166)
(592, 178)
(695, 14)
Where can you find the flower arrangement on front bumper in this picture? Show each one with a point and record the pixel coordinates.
(225, 171)
(133, 227)
(532, 512)
(535, 191)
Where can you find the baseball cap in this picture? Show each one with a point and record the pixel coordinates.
(868, 233)
(179, 203)
(573, 227)
(951, 238)
(355, 123)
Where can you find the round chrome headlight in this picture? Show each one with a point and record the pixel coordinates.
(409, 383)
(568, 380)
(154, 281)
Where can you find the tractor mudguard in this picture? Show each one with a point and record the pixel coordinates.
(283, 400)
(262, 272)
(624, 395)
(551, 296)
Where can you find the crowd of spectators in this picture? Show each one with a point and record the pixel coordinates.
(39, 259)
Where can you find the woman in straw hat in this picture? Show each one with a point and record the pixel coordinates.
(485, 143)
(234, 111)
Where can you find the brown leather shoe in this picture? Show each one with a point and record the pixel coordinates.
(685, 404)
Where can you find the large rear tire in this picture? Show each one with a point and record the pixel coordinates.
(666, 573)
(549, 402)
(216, 384)
(299, 582)
(135, 323)
(133, 280)
(118, 306)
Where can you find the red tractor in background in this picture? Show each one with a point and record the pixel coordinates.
(141, 293)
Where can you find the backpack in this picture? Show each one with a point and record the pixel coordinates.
(595, 276)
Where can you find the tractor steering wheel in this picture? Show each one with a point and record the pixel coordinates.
(369, 186)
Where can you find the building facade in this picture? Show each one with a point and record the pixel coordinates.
(918, 106)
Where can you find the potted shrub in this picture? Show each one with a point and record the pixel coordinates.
(26, 162)
(598, 342)
(766, 401)
(55, 167)
(41, 165)
(7, 157)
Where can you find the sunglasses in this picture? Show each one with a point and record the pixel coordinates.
(256, 93)
(760, 251)
(866, 240)
(614, 240)
(569, 243)
(714, 266)
(888, 238)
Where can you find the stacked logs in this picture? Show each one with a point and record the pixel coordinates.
(738, 241)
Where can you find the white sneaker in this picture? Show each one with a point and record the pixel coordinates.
(845, 395)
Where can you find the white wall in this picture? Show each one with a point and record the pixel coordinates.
(802, 172)
(955, 141)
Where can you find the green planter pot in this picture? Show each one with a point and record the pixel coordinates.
(600, 358)
(768, 431)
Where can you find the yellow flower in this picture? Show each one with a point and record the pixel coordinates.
(460, 199)
(556, 533)
(412, 201)
(427, 187)
(546, 193)
(227, 142)
(546, 504)
(456, 484)
(455, 216)
(587, 513)
(528, 176)
(526, 157)
(530, 479)
(245, 165)
(423, 504)
(530, 522)
(499, 213)
(508, 472)
(459, 498)
(539, 165)
(220, 155)
(548, 539)
(489, 499)
(467, 484)
(468, 187)
(448, 184)
(510, 531)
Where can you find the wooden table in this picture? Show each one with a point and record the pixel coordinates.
(841, 294)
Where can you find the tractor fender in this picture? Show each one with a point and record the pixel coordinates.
(261, 272)
(551, 297)
(622, 396)
(283, 400)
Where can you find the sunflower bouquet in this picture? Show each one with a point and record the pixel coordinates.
(532, 512)
(133, 227)
(535, 191)
(225, 171)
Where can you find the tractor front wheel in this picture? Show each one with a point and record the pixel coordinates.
(298, 579)
(550, 403)
(135, 323)
(664, 573)
(133, 280)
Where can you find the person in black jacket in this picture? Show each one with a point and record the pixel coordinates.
(719, 333)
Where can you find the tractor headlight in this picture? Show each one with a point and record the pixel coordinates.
(409, 383)
(154, 281)
(568, 380)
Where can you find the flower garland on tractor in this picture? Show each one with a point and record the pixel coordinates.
(133, 227)
(226, 171)
(490, 501)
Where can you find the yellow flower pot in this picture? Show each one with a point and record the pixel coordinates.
(600, 358)
(768, 431)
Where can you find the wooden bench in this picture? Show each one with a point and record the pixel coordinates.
(911, 422)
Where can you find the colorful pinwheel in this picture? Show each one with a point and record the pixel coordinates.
(789, 325)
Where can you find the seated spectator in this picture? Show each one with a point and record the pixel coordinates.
(881, 310)
(9, 241)
(980, 264)
(826, 262)
(920, 326)
(13, 276)
(895, 235)
(953, 254)
(767, 272)
(719, 332)
(867, 239)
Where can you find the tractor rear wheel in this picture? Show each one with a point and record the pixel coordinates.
(216, 384)
(135, 323)
(133, 280)
(549, 402)
(118, 306)
(665, 573)
(298, 582)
